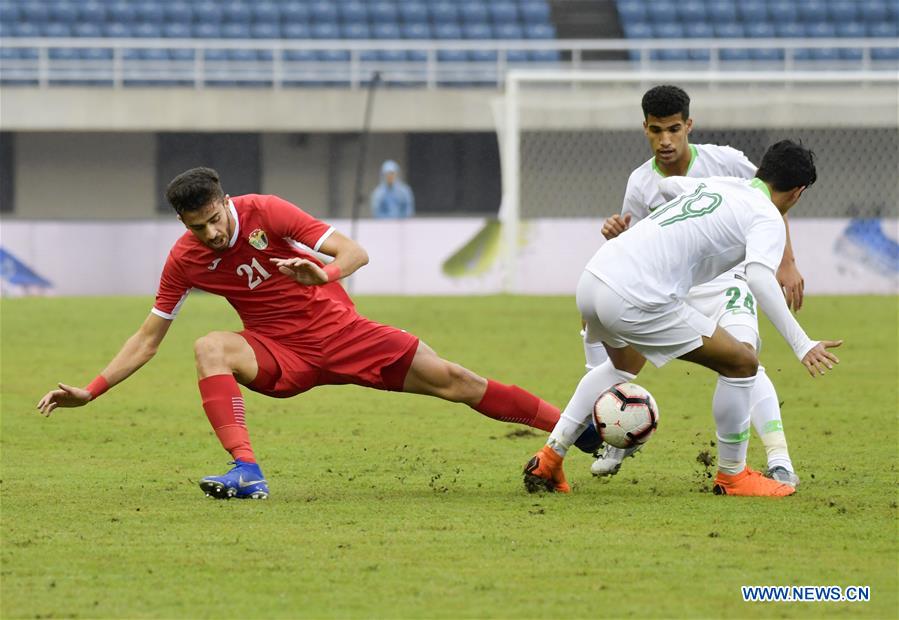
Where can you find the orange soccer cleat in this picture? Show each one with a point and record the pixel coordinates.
(544, 473)
(750, 483)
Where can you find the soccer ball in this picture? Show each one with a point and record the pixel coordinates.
(625, 415)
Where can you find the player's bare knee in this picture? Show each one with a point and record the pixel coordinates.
(209, 349)
(744, 364)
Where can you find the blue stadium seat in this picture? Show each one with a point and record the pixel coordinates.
(9, 14)
(479, 32)
(63, 12)
(691, 11)
(631, 11)
(884, 30)
(721, 11)
(414, 12)
(56, 30)
(324, 30)
(122, 12)
(782, 12)
(449, 31)
(236, 30)
(813, 11)
(205, 30)
(699, 30)
(731, 30)
(851, 30)
(295, 12)
(355, 31)
(819, 30)
(503, 12)
(178, 30)
(206, 12)
(542, 32)
(147, 31)
(296, 30)
(353, 13)
(669, 30)
(444, 13)
(510, 31)
(266, 13)
(35, 13)
(382, 12)
(752, 11)
(789, 30)
(116, 30)
(873, 11)
(663, 11)
(92, 13)
(474, 12)
(637, 30)
(535, 12)
(178, 12)
(91, 30)
(763, 30)
(386, 31)
(236, 12)
(416, 31)
(843, 11)
(265, 30)
(323, 12)
(150, 12)
(893, 10)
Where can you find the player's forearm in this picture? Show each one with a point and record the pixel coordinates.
(347, 262)
(788, 258)
(137, 351)
(770, 299)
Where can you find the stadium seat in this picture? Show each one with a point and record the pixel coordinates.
(353, 13)
(414, 12)
(535, 12)
(236, 12)
(236, 30)
(699, 29)
(91, 13)
(691, 11)
(638, 30)
(789, 30)
(819, 30)
(116, 30)
(474, 12)
(388, 32)
(206, 12)
(267, 30)
(731, 30)
(663, 11)
(26, 30)
(9, 13)
(181, 13)
(479, 32)
(752, 11)
(266, 13)
(543, 32)
(178, 30)
(813, 11)
(121, 12)
(503, 12)
(149, 12)
(632, 11)
(56, 30)
(851, 30)
(721, 11)
(893, 11)
(416, 32)
(354, 31)
(63, 12)
(295, 13)
(449, 31)
(382, 12)
(34, 13)
(329, 31)
(323, 12)
(873, 11)
(843, 11)
(444, 13)
(884, 30)
(782, 12)
(763, 30)
(669, 30)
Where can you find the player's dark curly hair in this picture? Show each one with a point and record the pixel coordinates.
(194, 189)
(788, 165)
(666, 100)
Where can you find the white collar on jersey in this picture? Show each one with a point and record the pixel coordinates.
(236, 224)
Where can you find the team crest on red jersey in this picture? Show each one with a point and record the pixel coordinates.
(258, 239)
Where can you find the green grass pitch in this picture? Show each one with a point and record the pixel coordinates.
(400, 506)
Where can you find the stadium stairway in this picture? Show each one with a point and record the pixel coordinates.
(588, 19)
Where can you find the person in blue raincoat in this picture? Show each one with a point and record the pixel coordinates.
(392, 198)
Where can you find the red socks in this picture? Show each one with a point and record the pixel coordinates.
(509, 403)
(223, 404)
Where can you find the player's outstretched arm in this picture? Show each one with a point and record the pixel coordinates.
(137, 351)
(813, 355)
(348, 255)
(791, 281)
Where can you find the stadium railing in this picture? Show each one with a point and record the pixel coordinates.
(351, 63)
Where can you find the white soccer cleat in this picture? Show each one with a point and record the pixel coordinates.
(609, 462)
(783, 475)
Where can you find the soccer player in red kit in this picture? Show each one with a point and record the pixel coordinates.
(300, 327)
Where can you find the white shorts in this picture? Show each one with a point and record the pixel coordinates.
(660, 335)
(730, 305)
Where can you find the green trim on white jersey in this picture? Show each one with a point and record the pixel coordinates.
(694, 153)
(761, 186)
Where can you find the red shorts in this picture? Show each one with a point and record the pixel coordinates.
(363, 353)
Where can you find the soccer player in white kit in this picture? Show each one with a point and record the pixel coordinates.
(632, 297)
(726, 299)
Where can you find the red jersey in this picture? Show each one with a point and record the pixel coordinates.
(267, 301)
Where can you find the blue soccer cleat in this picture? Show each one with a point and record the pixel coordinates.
(589, 440)
(244, 481)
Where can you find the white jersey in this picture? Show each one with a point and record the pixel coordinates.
(642, 195)
(710, 226)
